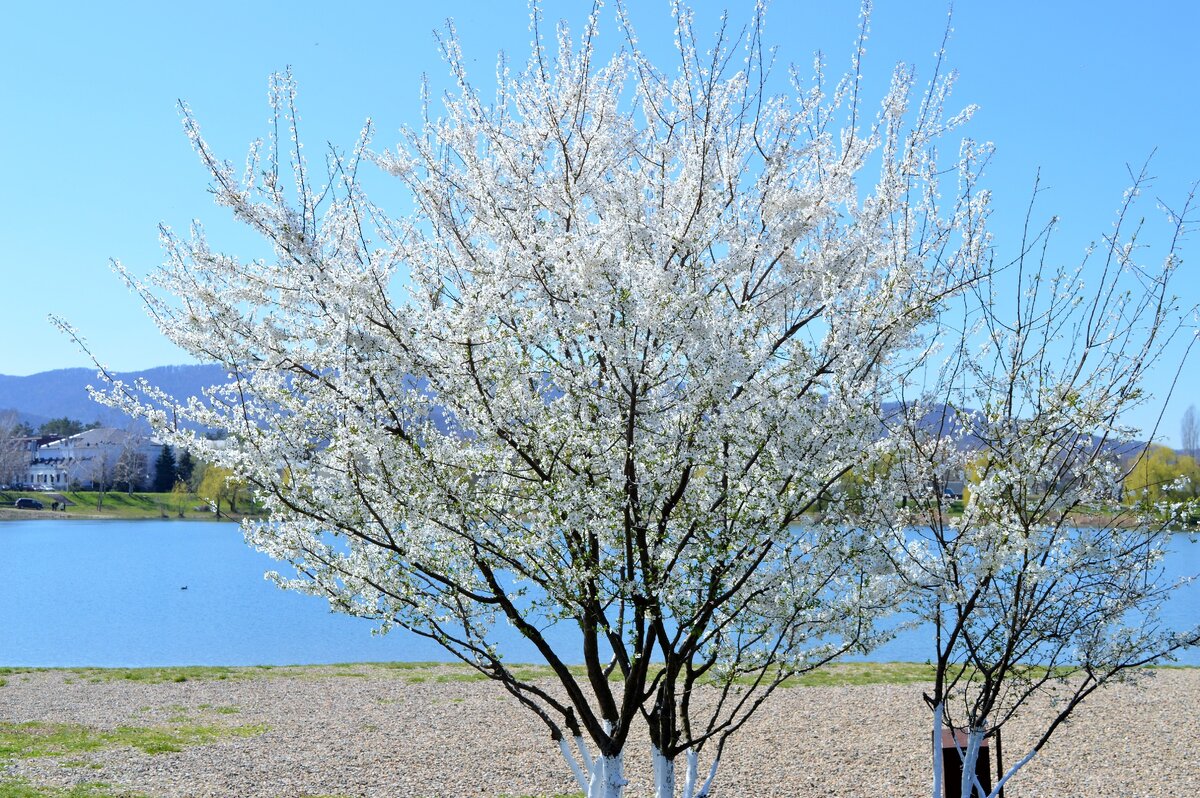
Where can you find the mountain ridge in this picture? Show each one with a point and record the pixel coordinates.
(63, 392)
(37, 398)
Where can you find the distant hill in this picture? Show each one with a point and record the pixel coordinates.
(63, 392)
(33, 420)
(940, 416)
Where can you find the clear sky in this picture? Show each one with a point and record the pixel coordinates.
(93, 156)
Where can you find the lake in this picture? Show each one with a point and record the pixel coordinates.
(110, 594)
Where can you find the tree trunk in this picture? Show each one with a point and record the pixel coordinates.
(664, 774)
(690, 790)
(689, 780)
(565, 749)
(969, 758)
(706, 789)
(1005, 777)
(968, 786)
(937, 751)
(608, 779)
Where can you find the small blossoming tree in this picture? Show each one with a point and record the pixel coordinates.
(1047, 582)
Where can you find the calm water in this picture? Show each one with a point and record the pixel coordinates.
(107, 593)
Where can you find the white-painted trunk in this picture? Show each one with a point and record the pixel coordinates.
(996, 790)
(580, 778)
(712, 774)
(689, 780)
(969, 757)
(938, 766)
(664, 774)
(974, 740)
(585, 753)
(608, 780)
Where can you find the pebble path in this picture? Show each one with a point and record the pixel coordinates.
(378, 732)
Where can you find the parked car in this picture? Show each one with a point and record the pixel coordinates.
(28, 504)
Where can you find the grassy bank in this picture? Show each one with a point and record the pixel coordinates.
(116, 505)
(839, 674)
(190, 506)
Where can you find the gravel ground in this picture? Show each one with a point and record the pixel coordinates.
(373, 731)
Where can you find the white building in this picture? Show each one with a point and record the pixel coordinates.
(17, 454)
(102, 456)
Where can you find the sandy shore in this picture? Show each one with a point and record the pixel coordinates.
(373, 731)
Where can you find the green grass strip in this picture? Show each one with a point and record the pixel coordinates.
(28, 740)
(20, 788)
(838, 674)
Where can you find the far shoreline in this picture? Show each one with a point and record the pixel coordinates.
(9, 514)
(839, 673)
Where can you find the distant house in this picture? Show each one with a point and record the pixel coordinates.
(96, 458)
(954, 489)
(17, 455)
(950, 484)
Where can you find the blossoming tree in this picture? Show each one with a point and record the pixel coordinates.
(1047, 583)
(607, 374)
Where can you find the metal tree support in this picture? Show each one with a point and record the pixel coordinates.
(954, 741)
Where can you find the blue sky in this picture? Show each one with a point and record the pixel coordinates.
(94, 158)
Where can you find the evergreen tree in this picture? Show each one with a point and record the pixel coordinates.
(63, 427)
(184, 466)
(164, 471)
